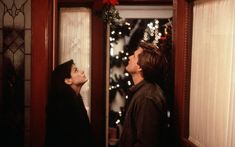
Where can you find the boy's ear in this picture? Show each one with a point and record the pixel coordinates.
(68, 81)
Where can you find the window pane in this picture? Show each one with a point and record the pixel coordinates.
(75, 43)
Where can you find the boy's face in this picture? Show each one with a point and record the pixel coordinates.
(132, 66)
(77, 76)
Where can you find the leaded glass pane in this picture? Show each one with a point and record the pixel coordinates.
(27, 126)
(1, 14)
(8, 20)
(27, 93)
(1, 40)
(8, 3)
(15, 72)
(27, 10)
(19, 62)
(0, 66)
(28, 65)
(19, 21)
(8, 54)
(19, 3)
(27, 40)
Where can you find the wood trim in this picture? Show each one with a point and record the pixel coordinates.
(39, 71)
(54, 35)
(187, 143)
(98, 83)
(146, 2)
(183, 17)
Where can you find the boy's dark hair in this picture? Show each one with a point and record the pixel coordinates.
(152, 62)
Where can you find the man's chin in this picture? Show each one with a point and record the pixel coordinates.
(84, 81)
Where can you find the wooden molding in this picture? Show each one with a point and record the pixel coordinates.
(183, 17)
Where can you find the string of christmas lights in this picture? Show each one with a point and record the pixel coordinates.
(155, 32)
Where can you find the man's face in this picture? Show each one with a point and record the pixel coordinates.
(77, 76)
(132, 66)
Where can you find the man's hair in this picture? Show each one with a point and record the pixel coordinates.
(152, 62)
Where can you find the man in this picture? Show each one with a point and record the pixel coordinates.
(145, 121)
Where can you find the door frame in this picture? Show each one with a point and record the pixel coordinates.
(182, 44)
(43, 61)
(40, 69)
(98, 52)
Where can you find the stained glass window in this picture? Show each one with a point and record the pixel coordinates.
(15, 72)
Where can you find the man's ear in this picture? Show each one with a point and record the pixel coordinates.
(139, 69)
(68, 81)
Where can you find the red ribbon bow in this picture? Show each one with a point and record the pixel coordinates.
(110, 2)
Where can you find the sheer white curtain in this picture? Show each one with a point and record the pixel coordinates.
(75, 43)
(212, 99)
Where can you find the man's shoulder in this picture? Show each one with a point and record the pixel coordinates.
(151, 91)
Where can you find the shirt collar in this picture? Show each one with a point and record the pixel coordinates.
(134, 88)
